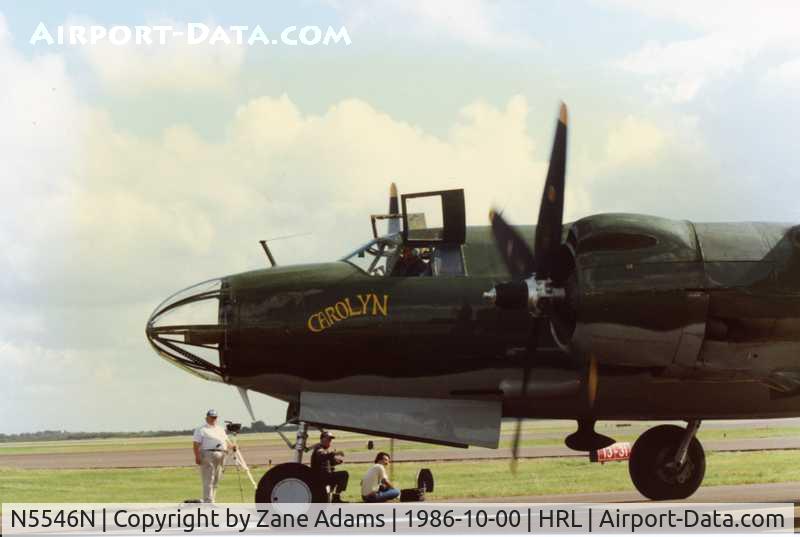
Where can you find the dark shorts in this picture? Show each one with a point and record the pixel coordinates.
(337, 480)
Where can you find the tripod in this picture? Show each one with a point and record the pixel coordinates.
(239, 461)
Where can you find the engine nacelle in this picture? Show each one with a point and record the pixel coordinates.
(638, 295)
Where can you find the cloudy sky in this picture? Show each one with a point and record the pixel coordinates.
(128, 172)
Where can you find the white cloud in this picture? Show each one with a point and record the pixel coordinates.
(474, 22)
(732, 36)
(785, 76)
(679, 70)
(175, 66)
(663, 168)
(42, 123)
(713, 15)
(281, 171)
(633, 140)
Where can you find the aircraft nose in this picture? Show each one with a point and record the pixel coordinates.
(189, 328)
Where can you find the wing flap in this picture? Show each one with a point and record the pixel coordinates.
(459, 422)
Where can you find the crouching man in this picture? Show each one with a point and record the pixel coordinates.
(376, 487)
(323, 459)
(210, 443)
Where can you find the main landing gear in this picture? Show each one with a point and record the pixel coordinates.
(667, 462)
(292, 482)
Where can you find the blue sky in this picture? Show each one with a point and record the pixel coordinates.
(130, 172)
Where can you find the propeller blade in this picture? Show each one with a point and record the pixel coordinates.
(246, 399)
(391, 457)
(515, 448)
(551, 209)
(517, 255)
(515, 252)
(394, 208)
(526, 373)
(591, 380)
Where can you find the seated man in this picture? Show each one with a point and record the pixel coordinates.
(323, 459)
(410, 263)
(376, 487)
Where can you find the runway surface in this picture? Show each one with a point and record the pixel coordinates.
(262, 455)
(762, 492)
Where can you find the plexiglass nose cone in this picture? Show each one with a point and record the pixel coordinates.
(188, 328)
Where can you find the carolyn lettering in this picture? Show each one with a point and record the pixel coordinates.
(364, 304)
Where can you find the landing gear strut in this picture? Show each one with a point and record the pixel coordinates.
(292, 482)
(667, 462)
(300, 442)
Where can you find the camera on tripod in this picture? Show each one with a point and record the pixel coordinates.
(232, 428)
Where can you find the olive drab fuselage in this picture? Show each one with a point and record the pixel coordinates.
(685, 320)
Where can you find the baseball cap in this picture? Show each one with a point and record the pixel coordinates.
(211, 413)
(326, 434)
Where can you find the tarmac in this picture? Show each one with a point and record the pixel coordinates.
(761, 492)
(275, 454)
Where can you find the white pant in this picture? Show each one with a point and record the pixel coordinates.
(211, 473)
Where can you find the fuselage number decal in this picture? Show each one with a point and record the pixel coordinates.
(366, 304)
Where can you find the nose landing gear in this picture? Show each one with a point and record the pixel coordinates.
(668, 462)
(292, 482)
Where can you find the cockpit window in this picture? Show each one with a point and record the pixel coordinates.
(388, 256)
(376, 256)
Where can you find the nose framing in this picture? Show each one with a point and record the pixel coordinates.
(189, 328)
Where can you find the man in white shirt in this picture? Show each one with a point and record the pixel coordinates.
(210, 443)
(376, 487)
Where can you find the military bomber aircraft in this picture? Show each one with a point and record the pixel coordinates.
(438, 333)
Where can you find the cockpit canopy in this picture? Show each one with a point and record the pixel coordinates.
(390, 256)
(426, 241)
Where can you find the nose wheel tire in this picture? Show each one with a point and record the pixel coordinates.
(290, 483)
(654, 471)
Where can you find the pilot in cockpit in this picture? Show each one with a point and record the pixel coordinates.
(410, 263)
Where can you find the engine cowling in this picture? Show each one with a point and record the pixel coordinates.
(635, 292)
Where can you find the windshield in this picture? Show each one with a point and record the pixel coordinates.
(376, 256)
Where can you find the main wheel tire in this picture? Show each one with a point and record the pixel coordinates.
(651, 464)
(290, 483)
